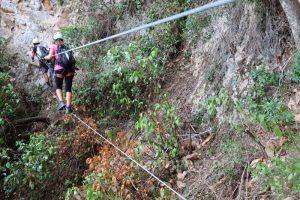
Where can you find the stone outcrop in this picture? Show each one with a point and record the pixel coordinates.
(292, 10)
(20, 22)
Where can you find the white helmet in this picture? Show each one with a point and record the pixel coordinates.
(57, 35)
(35, 41)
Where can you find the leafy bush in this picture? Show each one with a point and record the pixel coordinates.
(74, 34)
(216, 101)
(32, 168)
(271, 114)
(263, 80)
(8, 100)
(160, 9)
(159, 128)
(262, 77)
(89, 188)
(130, 79)
(279, 175)
(199, 118)
(165, 37)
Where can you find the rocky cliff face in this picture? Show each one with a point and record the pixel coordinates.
(20, 22)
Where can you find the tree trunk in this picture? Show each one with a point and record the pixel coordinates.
(45, 120)
(24, 121)
(292, 11)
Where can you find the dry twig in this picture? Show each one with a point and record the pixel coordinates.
(242, 182)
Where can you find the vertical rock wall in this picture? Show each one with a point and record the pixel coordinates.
(20, 22)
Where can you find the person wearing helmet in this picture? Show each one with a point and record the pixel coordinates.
(61, 74)
(39, 51)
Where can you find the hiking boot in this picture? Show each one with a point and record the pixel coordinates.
(61, 105)
(68, 109)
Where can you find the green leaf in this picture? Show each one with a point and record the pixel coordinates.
(8, 165)
(238, 107)
(297, 167)
(278, 131)
(109, 134)
(264, 125)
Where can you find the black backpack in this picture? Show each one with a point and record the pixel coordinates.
(41, 52)
(66, 60)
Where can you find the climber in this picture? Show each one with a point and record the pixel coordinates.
(40, 52)
(64, 70)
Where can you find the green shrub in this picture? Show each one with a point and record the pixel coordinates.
(32, 168)
(60, 2)
(130, 79)
(267, 110)
(281, 176)
(74, 34)
(123, 78)
(263, 77)
(271, 114)
(166, 37)
(263, 80)
(213, 102)
(8, 100)
(159, 128)
(199, 118)
(160, 9)
(89, 190)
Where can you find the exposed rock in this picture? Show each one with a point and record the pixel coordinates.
(292, 10)
(294, 101)
(8, 6)
(180, 184)
(297, 118)
(181, 176)
(20, 22)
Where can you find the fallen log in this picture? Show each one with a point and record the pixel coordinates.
(24, 121)
(45, 120)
